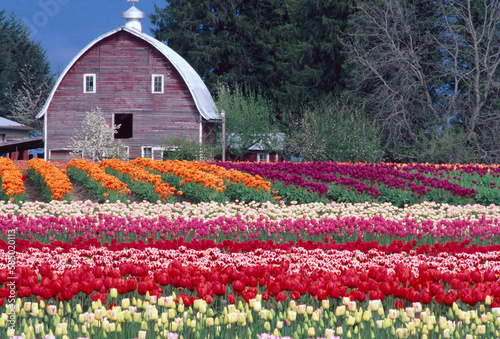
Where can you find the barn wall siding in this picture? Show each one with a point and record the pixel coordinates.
(123, 65)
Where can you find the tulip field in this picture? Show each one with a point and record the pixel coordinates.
(177, 249)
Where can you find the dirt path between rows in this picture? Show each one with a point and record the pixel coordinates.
(78, 193)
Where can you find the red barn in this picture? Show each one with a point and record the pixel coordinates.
(139, 82)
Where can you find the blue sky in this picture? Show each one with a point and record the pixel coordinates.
(64, 27)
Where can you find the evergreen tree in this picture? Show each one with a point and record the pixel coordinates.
(17, 53)
(287, 50)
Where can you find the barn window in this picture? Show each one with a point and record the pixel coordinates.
(125, 131)
(157, 83)
(147, 152)
(89, 83)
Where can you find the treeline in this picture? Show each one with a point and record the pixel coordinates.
(25, 77)
(392, 80)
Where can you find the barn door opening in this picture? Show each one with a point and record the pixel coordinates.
(126, 122)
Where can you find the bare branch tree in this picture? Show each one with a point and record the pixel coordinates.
(428, 71)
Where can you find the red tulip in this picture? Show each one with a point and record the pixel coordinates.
(231, 299)
(238, 286)
(295, 295)
(385, 287)
(399, 304)
(208, 299)
(280, 296)
(274, 288)
(439, 298)
(131, 285)
(98, 284)
(142, 289)
(321, 295)
(86, 287)
(376, 295)
(426, 296)
(67, 294)
(477, 276)
(360, 296)
(413, 295)
(265, 296)
(57, 286)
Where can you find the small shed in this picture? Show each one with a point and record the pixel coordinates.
(269, 148)
(13, 134)
(140, 83)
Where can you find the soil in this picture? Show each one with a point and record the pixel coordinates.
(78, 193)
(33, 193)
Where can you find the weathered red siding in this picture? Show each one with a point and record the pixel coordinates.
(123, 65)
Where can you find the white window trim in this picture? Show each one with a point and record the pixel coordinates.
(85, 82)
(153, 149)
(262, 153)
(153, 76)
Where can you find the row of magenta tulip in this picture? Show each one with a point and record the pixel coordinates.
(399, 184)
(169, 317)
(281, 272)
(340, 229)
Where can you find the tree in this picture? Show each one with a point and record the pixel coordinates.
(335, 130)
(248, 120)
(24, 69)
(428, 71)
(29, 100)
(95, 140)
(287, 50)
(179, 147)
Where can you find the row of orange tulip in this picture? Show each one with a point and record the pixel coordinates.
(12, 178)
(210, 176)
(141, 175)
(56, 179)
(98, 174)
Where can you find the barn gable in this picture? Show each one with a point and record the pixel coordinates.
(137, 81)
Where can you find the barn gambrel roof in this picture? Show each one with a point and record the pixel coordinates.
(199, 91)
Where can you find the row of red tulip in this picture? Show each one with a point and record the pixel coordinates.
(276, 273)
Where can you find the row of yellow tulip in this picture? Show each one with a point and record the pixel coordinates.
(169, 317)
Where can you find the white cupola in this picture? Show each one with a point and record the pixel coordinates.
(133, 18)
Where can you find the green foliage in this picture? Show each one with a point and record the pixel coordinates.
(335, 131)
(18, 53)
(444, 147)
(249, 120)
(95, 188)
(181, 148)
